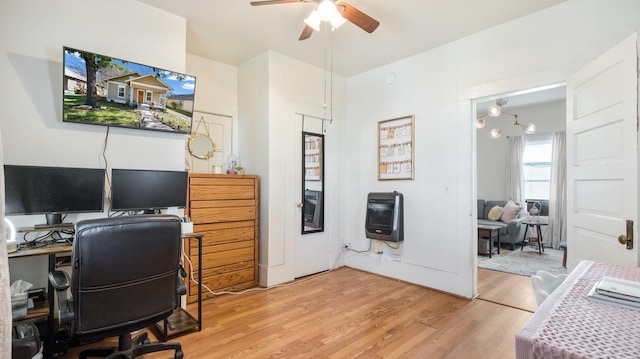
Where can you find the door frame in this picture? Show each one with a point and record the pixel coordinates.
(468, 99)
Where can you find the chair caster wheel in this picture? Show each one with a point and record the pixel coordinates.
(179, 354)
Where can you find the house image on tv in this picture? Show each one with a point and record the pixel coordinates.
(135, 89)
(74, 82)
(181, 101)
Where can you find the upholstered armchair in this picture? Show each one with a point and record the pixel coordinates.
(124, 272)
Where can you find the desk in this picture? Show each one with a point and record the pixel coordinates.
(52, 250)
(537, 226)
(567, 325)
(45, 310)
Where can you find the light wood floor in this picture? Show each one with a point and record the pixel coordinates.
(348, 313)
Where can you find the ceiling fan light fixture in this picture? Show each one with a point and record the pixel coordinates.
(327, 10)
(480, 122)
(337, 20)
(313, 20)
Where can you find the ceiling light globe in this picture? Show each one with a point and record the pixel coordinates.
(530, 128)
(494, 111)
(495, 133)
(313, 20)
(337, 20)
(326, 10)
(480, 123)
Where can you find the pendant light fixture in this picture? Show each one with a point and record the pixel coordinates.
(495, 111)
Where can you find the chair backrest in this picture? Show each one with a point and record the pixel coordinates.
(124, 273)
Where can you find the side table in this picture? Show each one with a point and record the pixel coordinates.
(536, 225)
(490, 233)
(181, 321)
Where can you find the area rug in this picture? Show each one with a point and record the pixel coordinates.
(526, 262)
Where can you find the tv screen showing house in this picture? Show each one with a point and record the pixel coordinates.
(107, 91)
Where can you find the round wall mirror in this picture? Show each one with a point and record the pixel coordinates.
(201, 146)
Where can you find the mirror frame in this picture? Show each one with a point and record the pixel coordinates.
(195, 154)
(305, 229)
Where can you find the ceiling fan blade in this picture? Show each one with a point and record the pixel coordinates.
(357, 17)
(306, 33)
(273, 2)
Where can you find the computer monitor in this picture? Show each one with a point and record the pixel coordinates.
(53, 191)
(147, 190)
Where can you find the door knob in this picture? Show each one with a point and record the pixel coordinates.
(627, 238)
(299, 205)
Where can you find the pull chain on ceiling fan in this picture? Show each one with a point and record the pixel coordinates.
(335, 12)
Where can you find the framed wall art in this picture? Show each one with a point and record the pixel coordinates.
(395, 148)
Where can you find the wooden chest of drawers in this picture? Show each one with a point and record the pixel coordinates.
(225, 210)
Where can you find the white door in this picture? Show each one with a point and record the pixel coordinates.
(312, 251)
(602, 157)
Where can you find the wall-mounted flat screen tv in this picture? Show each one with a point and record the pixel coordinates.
(104, 90)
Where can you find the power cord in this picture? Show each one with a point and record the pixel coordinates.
(365, 251)
(192, 278)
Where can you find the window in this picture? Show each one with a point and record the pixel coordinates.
(149, 96)
(537, 169)
(121, 91)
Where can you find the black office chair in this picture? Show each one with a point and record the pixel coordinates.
(125, 276)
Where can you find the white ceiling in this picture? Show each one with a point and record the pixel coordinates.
(232, 31)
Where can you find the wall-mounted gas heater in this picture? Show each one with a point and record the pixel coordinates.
(385, 217)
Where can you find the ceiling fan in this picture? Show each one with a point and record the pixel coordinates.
(343, 9)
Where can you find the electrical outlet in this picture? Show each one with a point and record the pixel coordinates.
(395, 257)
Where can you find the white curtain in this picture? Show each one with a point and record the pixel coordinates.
(5, 295)
(558, 195)
(515, 171)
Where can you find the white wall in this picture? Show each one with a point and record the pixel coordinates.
(492, 153)
(216, 90)
(31, 105)
(272, 89)
(31, 40)
(438, 87)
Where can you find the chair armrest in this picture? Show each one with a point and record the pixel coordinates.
(181, 285)
(60, 281)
